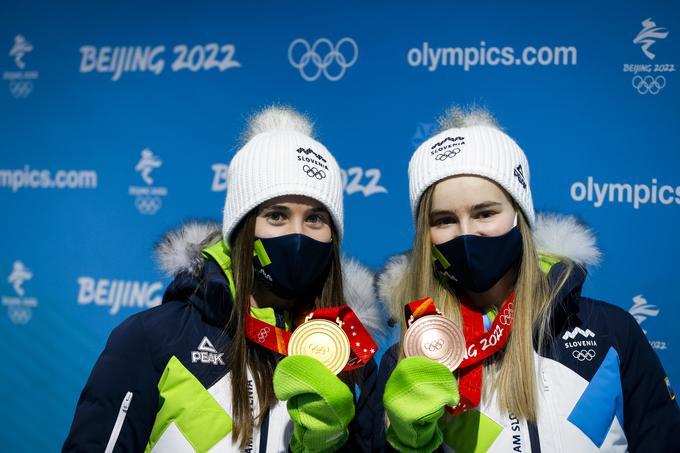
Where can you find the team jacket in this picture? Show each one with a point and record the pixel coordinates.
(601, 387)
(162, 383)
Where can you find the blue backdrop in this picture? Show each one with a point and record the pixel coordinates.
(119, 118)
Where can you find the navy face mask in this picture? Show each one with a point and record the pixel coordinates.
(476, 263)
(292, 265)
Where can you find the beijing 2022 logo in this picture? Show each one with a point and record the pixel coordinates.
(643, 310)
(20, 306)
(148, 198)
(323, 58)
(20, 80)
(651, 76)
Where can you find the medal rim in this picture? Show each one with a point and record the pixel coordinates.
(413, 332)
(342, 345)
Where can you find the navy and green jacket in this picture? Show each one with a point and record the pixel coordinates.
(162, 382)
(601, 386)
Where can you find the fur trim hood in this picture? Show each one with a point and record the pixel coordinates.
(554, 235)
(179, 251)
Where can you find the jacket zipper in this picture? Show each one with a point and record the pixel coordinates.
(125, 405)
(552, 413)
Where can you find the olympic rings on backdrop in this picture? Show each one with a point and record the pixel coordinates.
(20, 88)
(19, 315)
(649, 84)
(317, 56)
(148, 205)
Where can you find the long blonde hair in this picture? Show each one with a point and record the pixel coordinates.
(510, 372)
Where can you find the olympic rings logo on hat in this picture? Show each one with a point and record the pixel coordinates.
(312, 55)
(649, 84)
(584, 354)
(314, 172)
(447, 154)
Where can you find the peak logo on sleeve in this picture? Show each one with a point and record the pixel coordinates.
(207, 353)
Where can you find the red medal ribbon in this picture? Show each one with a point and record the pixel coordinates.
(479, 345)
(271, 337)
(276, 339)
(418, 309)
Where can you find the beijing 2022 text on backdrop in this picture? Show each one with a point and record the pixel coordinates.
(119, 120)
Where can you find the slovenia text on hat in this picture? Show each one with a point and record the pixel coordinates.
(281, 158)
(471, 143)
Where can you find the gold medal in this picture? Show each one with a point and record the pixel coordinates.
(437, 338)
(324, 340)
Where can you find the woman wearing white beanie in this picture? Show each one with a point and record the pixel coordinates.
(205, 370)
(499, 350)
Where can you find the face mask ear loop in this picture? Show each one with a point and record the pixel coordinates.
(514, 224)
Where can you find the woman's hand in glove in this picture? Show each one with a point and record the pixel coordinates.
(319, 403)
(415, 397)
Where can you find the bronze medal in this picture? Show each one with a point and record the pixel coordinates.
(324, 340)
(437, 338)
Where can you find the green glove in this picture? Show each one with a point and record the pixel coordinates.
(415, 396)
(319, 403)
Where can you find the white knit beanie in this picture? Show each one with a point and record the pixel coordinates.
(471, 143)
(281, 158)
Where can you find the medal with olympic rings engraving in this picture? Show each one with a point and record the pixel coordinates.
(324, 340)
(435, 337)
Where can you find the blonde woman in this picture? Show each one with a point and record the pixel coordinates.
(205, 371)
(543, 368)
